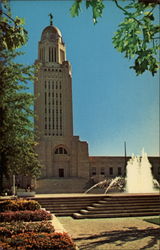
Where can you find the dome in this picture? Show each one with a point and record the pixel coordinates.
(51, 33)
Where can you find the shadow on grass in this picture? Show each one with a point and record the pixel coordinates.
(119, 238)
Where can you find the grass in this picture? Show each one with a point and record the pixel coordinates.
(153, 220)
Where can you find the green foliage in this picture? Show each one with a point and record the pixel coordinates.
(17, 139)
(74, 10)
(137, 36)
(12, 33)
(96, 5)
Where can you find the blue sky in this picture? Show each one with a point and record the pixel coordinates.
(110, 103)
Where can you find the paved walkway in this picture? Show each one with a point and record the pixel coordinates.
(116, 234)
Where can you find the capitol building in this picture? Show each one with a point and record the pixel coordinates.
(63, 155)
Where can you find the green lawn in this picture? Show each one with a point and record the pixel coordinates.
(153, 220)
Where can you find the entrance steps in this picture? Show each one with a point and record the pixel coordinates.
(61, 185)
(122, 206)
(66, 205)
(82, 206)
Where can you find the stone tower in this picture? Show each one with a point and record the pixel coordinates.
(61, 153)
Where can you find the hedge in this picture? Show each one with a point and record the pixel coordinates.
(28, 241)
(8, 229)
(20, 204)
(37, 215)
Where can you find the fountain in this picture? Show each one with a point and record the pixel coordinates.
(116, 183)
(139, 177)
(138, 196)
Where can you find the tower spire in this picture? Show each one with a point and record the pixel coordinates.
(51, 19)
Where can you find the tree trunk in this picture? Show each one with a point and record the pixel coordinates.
(1, 173)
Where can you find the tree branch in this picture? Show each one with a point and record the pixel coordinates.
(126, 12)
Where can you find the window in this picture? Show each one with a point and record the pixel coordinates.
(119, 171)
(102, 171)
(45, 98)
(93, 171)
(55, 55)
(60, 150)
(111, 171)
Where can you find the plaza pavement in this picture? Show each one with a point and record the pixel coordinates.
(117, 233)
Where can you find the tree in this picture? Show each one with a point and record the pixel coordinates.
(17, 139)
(137, 36)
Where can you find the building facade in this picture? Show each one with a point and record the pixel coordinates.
(61, 153)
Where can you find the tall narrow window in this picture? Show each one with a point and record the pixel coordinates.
(93, 171)
(49, 54)
(119, 171)
(102, 171)
(45, 98)
(52, 54)
(55, 55)
(111, 171)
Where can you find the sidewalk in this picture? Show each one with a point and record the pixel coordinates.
(116, 234)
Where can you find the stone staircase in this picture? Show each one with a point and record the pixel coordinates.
(61, 185)
(122, 206)
(66, 206)
(81, 206)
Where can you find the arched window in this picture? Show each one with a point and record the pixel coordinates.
(60, 150)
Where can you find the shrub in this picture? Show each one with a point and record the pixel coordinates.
(7, 205)
(5, 246)
(5, 232)
(28, 205)
(8, 229)
(37, 215)
(20, 204)
(42, 241)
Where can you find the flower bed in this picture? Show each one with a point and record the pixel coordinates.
(19, 229)
(37, 215)
(38, 241)
(8, 229)
(20, 204)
